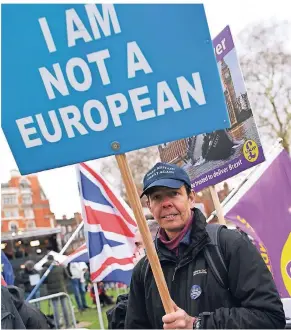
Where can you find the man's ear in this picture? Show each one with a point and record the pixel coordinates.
(148, 203)
(192, 197)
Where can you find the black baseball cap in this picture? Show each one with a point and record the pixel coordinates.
(165, 175)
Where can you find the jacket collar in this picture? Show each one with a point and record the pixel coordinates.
(198, 238)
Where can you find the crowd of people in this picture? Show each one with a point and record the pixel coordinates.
(19, 314)
(216, 277)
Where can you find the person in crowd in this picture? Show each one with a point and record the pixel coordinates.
(250, 299)
(7, 269)
(103, 296)
(139, 251)
(77, 271)
(16, 313)
(56, 283)
(27, 279)
(86, 279)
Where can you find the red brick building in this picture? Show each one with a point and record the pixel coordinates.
(24, 204)
(28, 226)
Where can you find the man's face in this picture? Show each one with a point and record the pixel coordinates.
(139, 247)
(138, 241)
(171, 207)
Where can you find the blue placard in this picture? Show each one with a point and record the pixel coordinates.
(76, 78)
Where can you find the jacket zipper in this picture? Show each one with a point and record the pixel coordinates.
(177, 266)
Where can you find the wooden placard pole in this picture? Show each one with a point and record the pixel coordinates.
(217, 205)
(135, 203)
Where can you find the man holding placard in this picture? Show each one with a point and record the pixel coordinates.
(249, 298)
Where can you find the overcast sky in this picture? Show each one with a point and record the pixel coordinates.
(60, 184)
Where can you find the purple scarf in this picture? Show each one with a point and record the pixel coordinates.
(174, 243)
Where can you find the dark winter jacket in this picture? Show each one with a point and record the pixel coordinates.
(23, 279)
(22, 314)
(116, 315)
(251, 301)
(55, 280)
(10, 318)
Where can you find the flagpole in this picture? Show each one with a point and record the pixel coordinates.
(75, 233)
(135, 203)
(217, 205)
(98, 305)
(117, 288)
(233, 192)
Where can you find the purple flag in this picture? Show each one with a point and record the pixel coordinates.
(263, 210)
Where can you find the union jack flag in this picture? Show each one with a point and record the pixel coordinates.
(109, 229)
(79, 255)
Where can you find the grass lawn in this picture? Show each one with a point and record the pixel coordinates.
(89, 315)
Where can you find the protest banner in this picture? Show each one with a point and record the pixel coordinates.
(93, 81)
(214, 157)
(81, 82)
(262, 209)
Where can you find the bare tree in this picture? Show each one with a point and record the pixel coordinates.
(140, 161)
(266, 65)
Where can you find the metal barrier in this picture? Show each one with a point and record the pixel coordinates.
(55, 301)
(287, 309)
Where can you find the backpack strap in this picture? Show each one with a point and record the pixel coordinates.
(212, 254)
(214, 257)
